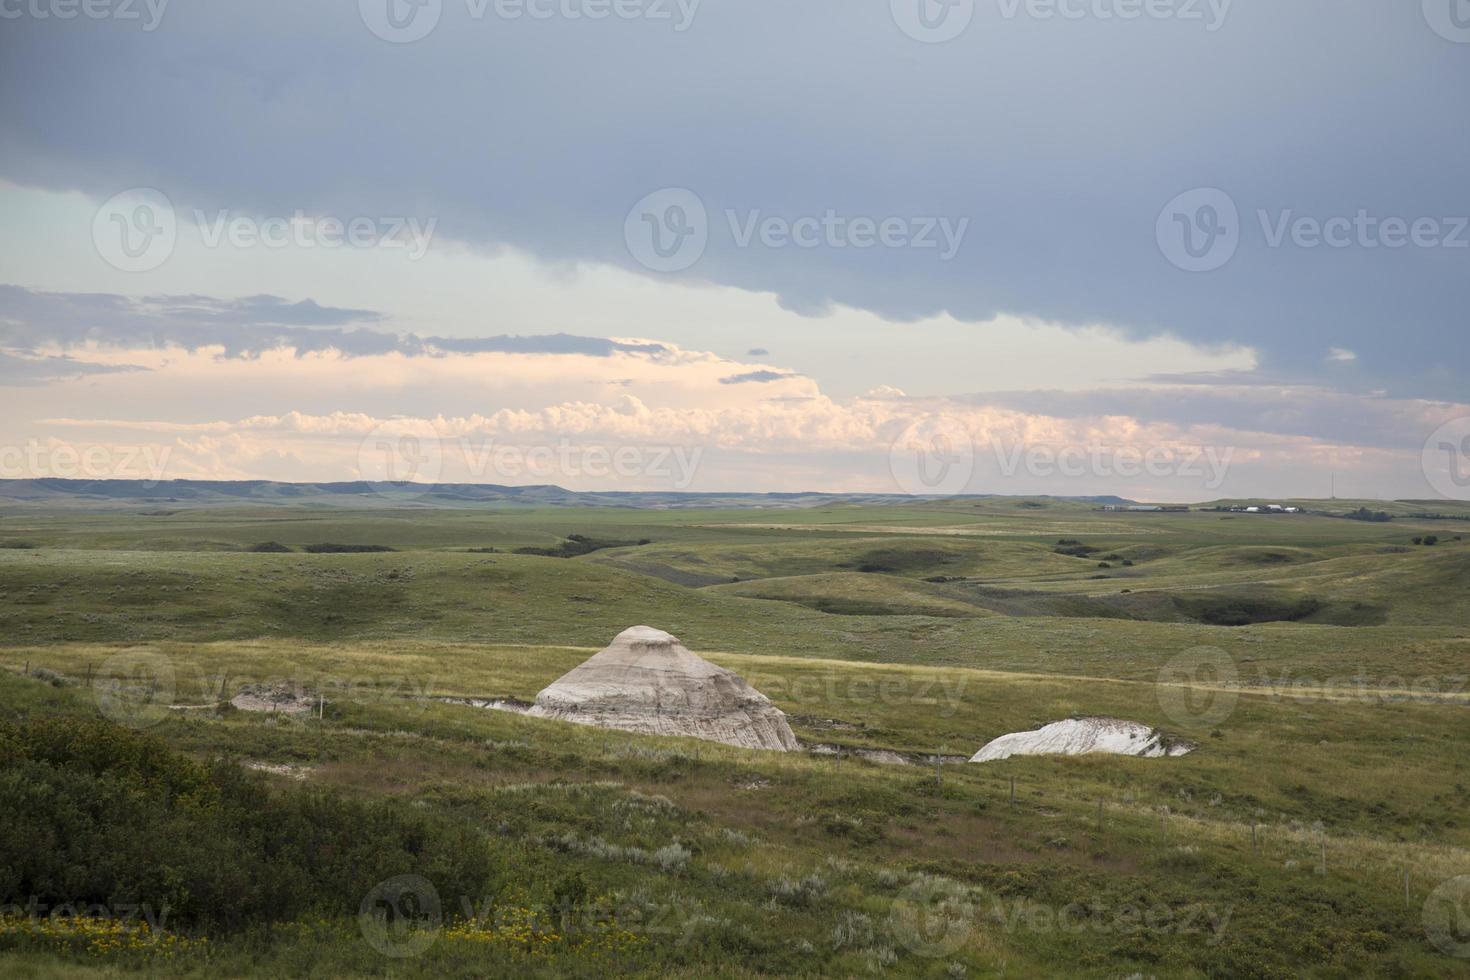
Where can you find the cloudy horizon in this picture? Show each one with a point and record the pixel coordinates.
(1175, 251)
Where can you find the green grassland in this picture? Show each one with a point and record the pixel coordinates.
(1328, 797)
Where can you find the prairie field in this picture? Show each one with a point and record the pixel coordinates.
(1319, 665)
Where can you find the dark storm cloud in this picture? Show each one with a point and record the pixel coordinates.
(16, 370)
(31, 320)
(757, 377)
(1060, 140)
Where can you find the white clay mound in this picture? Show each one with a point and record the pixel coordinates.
(646, 681)
(1083, 736)
(284, 699)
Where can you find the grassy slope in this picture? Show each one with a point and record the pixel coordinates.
(923, 667)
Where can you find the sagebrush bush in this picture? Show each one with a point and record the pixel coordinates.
(97, 814)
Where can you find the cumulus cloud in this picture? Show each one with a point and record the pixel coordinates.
(1307, 411)
(216, 413)
(782, 440)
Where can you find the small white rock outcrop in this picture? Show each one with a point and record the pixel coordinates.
(646, 681)
(1083, 736)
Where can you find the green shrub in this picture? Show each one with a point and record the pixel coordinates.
(97, 814)
(347, 549)
(577, 545)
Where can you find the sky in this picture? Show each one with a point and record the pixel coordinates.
(1170, 250)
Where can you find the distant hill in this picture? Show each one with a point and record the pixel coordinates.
(206, 493)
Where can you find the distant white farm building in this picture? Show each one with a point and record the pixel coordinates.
(1145, 508)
